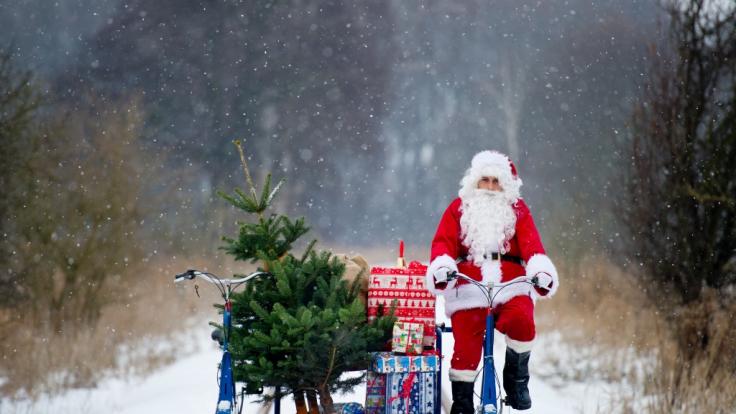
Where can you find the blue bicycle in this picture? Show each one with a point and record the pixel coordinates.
(227, 402)
(490, 403)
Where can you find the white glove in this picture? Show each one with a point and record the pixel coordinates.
(440, 275)
(544, 281)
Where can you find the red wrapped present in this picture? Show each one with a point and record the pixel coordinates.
(404, 287)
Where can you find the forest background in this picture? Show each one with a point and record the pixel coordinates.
(118, 118)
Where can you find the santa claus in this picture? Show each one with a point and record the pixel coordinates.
(488, 234)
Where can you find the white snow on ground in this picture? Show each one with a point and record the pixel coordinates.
(189, 386)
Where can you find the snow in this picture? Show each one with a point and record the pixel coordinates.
(189, 385)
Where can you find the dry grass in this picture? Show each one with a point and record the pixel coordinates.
(598, 303)
(604, 318)
(616, 335)
(696, 372)
(137, 333)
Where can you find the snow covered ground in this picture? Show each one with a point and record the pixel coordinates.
(189, 386)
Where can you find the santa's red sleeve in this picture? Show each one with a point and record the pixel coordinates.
(532, 250)
(445, 246)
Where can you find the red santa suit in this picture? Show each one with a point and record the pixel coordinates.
(476, 230)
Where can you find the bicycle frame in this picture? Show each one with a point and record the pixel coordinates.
(226, 401)
(489, 394)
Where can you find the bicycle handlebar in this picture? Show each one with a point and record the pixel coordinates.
(191, 274)
(534, 280)
(488, 289)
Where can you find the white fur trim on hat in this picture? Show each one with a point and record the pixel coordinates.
(462, 375)
(540, 263)
(491, 164)
(519, 346)
(438, 263)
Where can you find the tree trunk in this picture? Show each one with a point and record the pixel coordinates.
(313, 403)
(301, 405)
(326, 399)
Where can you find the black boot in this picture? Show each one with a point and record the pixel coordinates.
(516, 380)
(462, 398)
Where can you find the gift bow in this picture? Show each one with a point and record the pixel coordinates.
(405, 391)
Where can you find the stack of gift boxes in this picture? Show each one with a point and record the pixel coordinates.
(405, 379)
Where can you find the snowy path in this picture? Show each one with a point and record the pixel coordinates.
(189, 386)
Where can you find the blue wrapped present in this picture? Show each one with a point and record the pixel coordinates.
(385, 362)
(410, 393)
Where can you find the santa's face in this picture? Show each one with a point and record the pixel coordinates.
(488, 219)
(490, 184)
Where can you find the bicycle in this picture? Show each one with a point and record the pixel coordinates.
(227, 402)
(490, 385)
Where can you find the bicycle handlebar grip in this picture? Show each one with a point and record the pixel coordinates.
(189, 274)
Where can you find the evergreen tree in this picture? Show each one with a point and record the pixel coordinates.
(302, 326)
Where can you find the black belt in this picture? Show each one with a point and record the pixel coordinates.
(495, 256)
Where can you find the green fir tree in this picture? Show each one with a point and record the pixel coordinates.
(302, 326)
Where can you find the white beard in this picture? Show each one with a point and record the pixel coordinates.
(487, 223)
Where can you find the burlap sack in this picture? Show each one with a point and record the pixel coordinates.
(356, 267)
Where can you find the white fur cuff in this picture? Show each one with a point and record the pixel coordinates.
(540, 263)
(462, 375)
(519, 346)
(438, 263)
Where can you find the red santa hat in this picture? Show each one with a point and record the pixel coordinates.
(491, 164)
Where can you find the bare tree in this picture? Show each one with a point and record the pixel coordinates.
(19, 102)
(73, 231)
(679, 204)
(508, 91)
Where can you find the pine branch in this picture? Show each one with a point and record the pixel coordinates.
(310, 246)
(266, 189)
(245, 168)
(274, 191)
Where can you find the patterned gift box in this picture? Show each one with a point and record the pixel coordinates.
(404, 287)
(375, 396)
(385, 362)
(410, 393)
(407, 338)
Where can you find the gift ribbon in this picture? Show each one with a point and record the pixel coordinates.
(405, 391)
